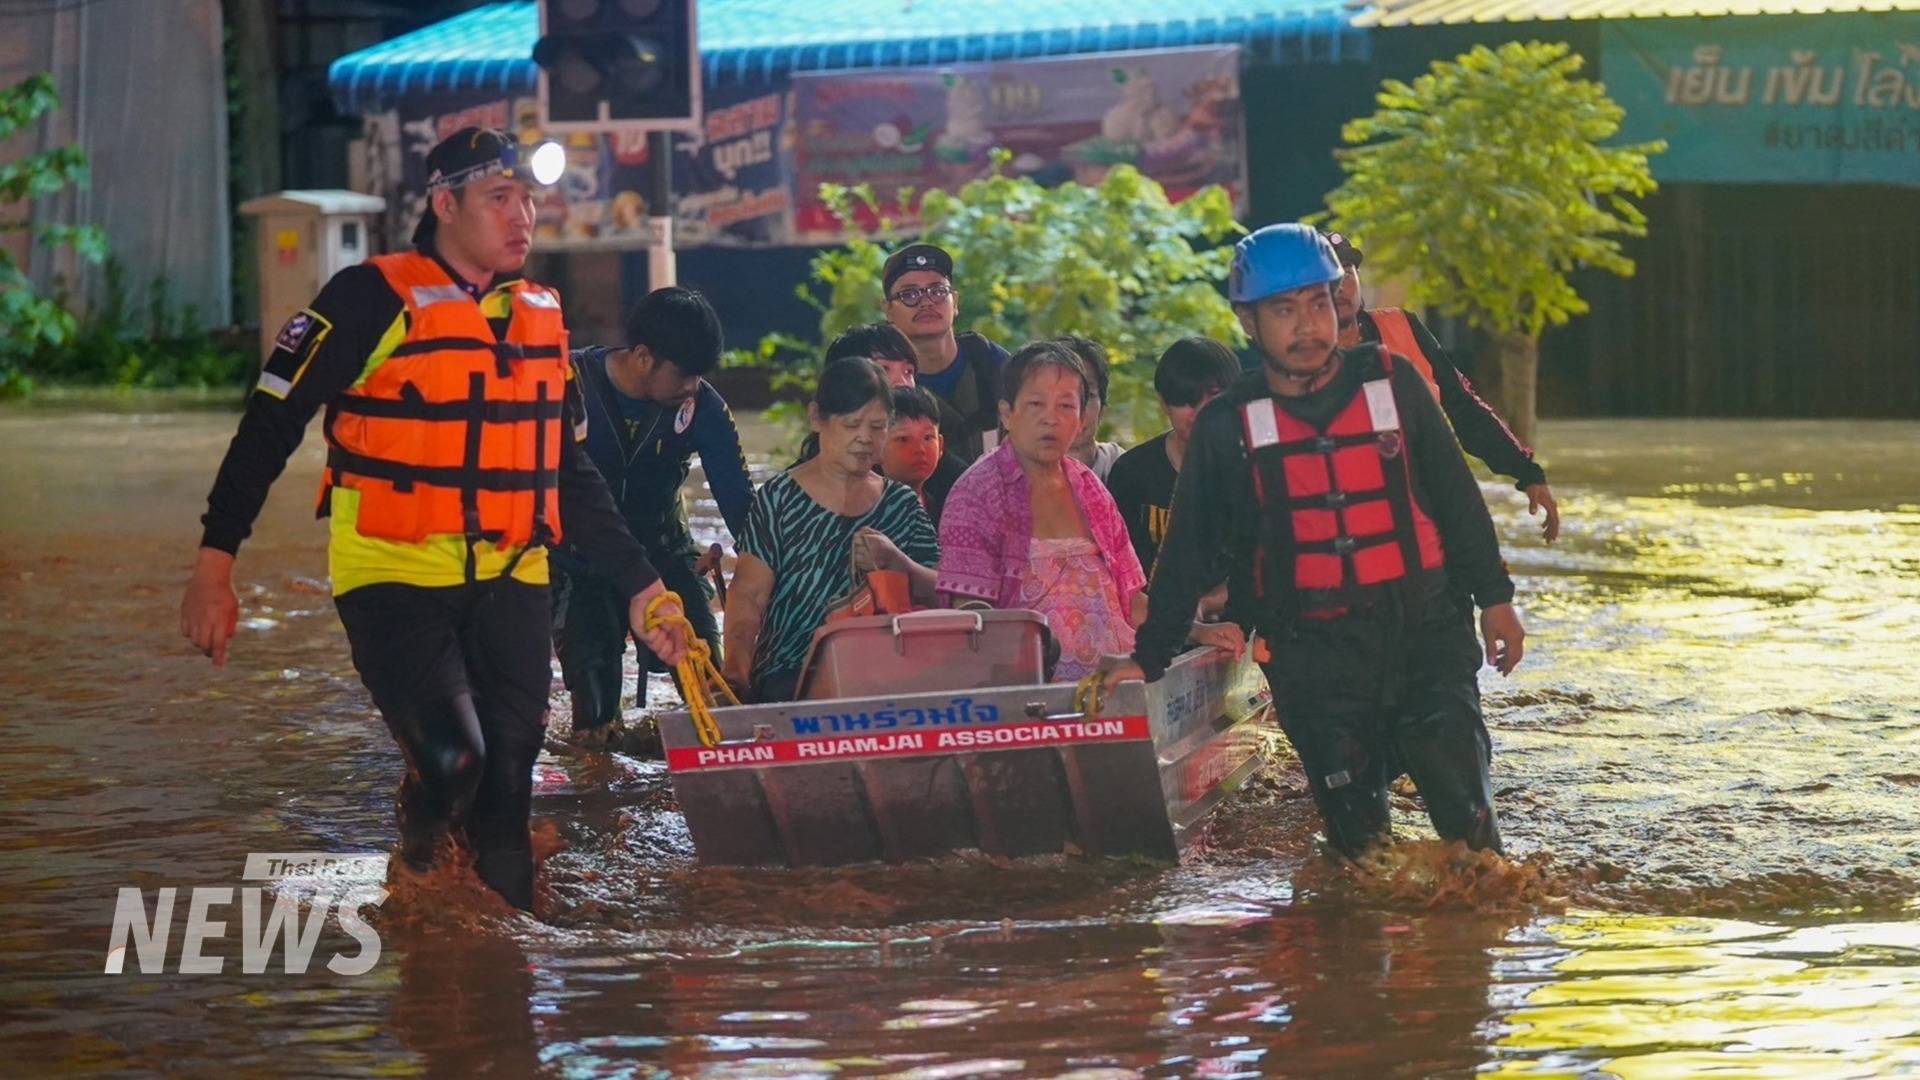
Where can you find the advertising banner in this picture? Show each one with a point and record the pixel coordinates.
(1819, 99)
(1173, 113)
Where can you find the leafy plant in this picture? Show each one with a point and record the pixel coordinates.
(30, 322)
(146, 344)
(1486, 183)
(1116, 262)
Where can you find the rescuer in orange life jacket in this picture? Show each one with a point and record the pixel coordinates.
(1355, 540)
(451, 463)
(1482, 433)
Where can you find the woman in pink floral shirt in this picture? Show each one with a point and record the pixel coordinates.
(1030, 527)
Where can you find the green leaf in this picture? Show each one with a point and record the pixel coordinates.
(1488, 181)
(1115, 262)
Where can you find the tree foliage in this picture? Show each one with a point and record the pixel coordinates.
(1489, 180)
(1116, 262)
(28, 321)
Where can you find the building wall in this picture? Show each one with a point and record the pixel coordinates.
(143, 94)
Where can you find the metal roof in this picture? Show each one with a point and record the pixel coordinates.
(490, 48)
(1392, 13)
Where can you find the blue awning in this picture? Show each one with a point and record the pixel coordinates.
(489, 49)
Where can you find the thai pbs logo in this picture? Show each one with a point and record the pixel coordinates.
(279, 928)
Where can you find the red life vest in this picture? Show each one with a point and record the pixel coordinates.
(456, 432)
(1396, 333)
(1338, 515)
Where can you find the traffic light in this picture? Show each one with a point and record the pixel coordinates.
(618, 63)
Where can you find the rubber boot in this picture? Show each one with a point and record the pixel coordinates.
(497, 828)
(1447, 756)
(445, 758)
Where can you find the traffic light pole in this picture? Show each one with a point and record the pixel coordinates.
(661, 271)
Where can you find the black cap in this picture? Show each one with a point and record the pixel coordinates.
(1348, 254)
(915, 257)
(472, 153)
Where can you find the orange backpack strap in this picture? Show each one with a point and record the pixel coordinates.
(1396, 333)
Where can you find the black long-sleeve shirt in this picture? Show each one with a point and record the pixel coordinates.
(324, 350)
(1482, 433)
(1216, 515)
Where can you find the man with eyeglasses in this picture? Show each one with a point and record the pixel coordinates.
(962, 371)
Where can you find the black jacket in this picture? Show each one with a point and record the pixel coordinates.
(1482, 433)
(1216, 515)
(973, 409)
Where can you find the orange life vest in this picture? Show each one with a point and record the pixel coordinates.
(456, 432)
(1396, 333)
(1339, 517)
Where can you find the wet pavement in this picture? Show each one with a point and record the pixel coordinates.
(1708, 770)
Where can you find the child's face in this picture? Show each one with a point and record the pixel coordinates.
(912, 451)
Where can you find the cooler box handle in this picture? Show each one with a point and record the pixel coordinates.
(932, 622)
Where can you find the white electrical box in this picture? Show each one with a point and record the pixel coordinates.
(306, 237)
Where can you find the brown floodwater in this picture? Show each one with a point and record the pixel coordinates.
(1708, 770)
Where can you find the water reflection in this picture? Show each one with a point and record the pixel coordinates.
(465, 1002)
(1639, 996)
(1710, 751)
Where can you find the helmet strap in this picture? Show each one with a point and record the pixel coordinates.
(1309, 377)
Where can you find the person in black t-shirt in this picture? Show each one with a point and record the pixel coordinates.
(1192, 372)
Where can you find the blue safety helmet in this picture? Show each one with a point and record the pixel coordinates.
(1280, 258)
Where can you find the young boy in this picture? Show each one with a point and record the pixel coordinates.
(1192, 372)
(915, 453)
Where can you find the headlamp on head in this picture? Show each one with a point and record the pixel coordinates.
(541, 164)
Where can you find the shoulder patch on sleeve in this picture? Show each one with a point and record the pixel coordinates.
(293, 349)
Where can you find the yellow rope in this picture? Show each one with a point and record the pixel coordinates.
(1086, 694)
(698, 676)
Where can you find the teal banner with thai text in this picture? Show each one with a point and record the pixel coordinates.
(1772, 99)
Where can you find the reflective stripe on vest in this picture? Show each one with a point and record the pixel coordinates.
(456, 431)
(1396, 333)
(1337, 507)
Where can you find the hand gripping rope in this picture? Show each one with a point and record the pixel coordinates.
(698, 678)
(1086, 693)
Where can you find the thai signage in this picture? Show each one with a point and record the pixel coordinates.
(752, 174)
(1830, 98)
(1017, 736)
(1175, 114)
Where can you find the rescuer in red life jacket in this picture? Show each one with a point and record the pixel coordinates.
(1356, 542)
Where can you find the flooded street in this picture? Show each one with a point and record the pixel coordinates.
(1708, 768)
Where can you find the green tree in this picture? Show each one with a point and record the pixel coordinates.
(30, 322)
(1486, 183)
(1116, 262)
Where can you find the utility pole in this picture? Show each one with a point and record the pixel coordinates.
(661, 269)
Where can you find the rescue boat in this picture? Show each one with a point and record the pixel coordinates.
(934, 731)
